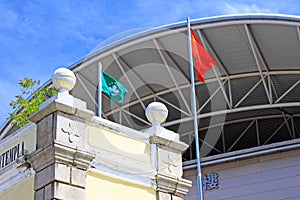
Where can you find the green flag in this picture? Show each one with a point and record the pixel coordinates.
(113, 88)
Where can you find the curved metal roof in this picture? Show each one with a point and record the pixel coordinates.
(251, 99)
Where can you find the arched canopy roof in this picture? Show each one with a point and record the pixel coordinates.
(251, 99)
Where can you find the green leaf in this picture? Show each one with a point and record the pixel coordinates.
(28, 107)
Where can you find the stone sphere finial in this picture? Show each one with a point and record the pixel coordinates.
(156, 113)
(63, 80)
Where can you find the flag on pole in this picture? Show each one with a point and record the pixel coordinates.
(113, 88)
(204, 62)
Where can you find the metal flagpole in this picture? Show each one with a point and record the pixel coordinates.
(99, 89)
(194, 110)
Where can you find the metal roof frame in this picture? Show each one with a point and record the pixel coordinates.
(270, 91)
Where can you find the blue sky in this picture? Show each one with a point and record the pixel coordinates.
(37, 37)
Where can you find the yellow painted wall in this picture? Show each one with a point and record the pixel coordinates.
(103, 187)
(23, 190)
(30, 141)
(112, 142)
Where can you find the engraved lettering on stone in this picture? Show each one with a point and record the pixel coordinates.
(11, 155)
(210, 181)
(170, 163)
(72, 131)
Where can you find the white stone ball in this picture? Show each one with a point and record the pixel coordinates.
(63, 79)
(156, 112)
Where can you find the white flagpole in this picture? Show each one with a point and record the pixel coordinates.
(194, 110)
(99, 89)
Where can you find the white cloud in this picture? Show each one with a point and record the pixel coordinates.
(239, 8)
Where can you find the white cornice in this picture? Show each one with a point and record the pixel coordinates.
(14, 176)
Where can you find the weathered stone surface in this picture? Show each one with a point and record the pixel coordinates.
(44, 177)
(78, 177)
(62, 172)
(53, 171)
(64, 191)
(45, 132)
(176, 197)
(57, 190)
(39, 194)
(163, 196)
(49, 191)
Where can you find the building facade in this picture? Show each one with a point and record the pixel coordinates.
(248, 115)
(271, 173)
(69, 153)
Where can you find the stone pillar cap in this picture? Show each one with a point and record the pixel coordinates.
(63, 80)
(156, 113)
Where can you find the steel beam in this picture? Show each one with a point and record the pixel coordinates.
(129, 81)
(172, 76)
(254, 53)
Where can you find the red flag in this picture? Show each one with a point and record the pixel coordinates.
(204, 62)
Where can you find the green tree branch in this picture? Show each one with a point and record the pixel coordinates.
(25, 107)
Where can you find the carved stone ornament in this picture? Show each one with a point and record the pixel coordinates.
(171, 164)
(72, 131)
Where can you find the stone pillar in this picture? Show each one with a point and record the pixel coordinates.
(166, 150)
(61, 159)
